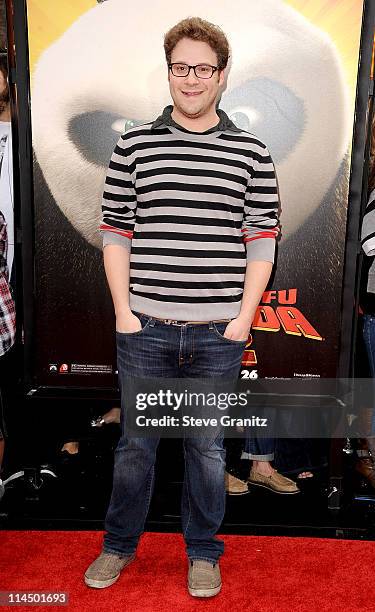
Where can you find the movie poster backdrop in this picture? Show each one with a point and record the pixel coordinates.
(98, 69)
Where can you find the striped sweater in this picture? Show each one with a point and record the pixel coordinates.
(368, 238)
(192, 209)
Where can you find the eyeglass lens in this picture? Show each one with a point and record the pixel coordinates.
(202, 71)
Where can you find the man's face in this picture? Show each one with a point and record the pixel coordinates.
(192, 96)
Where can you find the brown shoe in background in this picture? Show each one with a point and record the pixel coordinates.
(204, 579)
(235, 486)
(106, 569)
(275, 482)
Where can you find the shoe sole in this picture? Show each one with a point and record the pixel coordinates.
(238, 492)
(103, 584)
(258, 484)
(204, 592)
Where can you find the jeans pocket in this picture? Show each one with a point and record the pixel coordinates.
(219, 329)
(145, 321)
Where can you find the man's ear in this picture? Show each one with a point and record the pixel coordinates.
(221, 77)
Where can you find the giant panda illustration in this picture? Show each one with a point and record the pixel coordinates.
(107, 73)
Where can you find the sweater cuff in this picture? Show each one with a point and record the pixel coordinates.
(261, 249)
(114, 238)
(369, 247)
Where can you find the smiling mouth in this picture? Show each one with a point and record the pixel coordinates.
(191, 93)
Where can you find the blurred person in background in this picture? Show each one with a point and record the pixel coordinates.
(365, 450)
(7, 306)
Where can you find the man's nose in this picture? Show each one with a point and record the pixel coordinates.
(191, 77)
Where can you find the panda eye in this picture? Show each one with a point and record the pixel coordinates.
(270, 110)
(244, 118)
(123, 125)
(130, 123)
(96, 133)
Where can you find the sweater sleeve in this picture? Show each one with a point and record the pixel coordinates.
(260, 224)
(119, 203)
(368, 227)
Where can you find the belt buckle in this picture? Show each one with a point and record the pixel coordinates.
(173, 322)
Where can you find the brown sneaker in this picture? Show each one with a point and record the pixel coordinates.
(106, 569)
(204, 578)
(235, 486)
(275, 482)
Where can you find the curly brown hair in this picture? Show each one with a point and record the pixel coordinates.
(198, 29)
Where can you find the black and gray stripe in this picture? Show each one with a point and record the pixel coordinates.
(192, 209)
(368, 238)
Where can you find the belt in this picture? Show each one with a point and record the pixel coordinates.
(183, 323)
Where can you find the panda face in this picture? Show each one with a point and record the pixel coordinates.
(285, 84)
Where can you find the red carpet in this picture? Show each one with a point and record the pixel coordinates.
(261, 574)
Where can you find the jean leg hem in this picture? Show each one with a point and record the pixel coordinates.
(201, 558)
(268, 457)
(118, 552)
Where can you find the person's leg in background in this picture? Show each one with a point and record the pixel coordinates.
(7, 394)
(365, 447)
(368, 333)
(262, 451)
(2, 445)
(2, 433)
(300, 457)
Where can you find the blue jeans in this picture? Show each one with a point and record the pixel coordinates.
(369, 339)
(168, 351)
(260, 449)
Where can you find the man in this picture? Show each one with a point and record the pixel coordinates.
(6, 162)
(7, 307)
(194, 201)
(7, 328)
